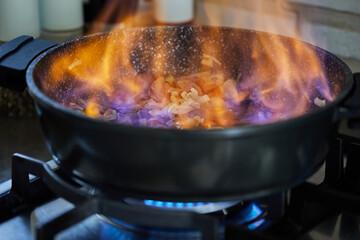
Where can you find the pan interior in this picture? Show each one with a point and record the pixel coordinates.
(109, 75)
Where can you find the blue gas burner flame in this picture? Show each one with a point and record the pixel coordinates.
(178, 205)
(254, 213)
(245, 217)
(198, 207)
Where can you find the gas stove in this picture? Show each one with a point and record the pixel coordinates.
(43, 202)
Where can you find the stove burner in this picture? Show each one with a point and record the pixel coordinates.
(198, 207)
(250, 216)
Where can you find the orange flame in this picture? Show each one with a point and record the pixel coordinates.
(129, 76)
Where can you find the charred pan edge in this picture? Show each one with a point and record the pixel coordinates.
(229, 132)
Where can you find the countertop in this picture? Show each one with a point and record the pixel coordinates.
(20, 135)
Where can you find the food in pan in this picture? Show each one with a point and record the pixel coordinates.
(208, 99)
(188, 79)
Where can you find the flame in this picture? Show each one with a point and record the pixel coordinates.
(129, 76)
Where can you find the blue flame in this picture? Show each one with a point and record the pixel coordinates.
(256, 224)
(255, 212)
(252, 211)
(178, 205)
(247, 214)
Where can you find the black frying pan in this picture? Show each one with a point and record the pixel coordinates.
(238, 162)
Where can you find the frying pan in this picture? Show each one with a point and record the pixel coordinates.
(238, 162)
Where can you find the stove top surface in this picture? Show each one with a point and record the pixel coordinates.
(342, 226)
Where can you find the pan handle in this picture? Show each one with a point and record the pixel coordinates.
(15, 57)
(350, 109)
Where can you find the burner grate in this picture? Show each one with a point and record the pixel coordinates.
(88, 204)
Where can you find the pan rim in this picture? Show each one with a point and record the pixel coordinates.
(231, 131)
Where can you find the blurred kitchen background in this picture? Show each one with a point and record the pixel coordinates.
(330, 24)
